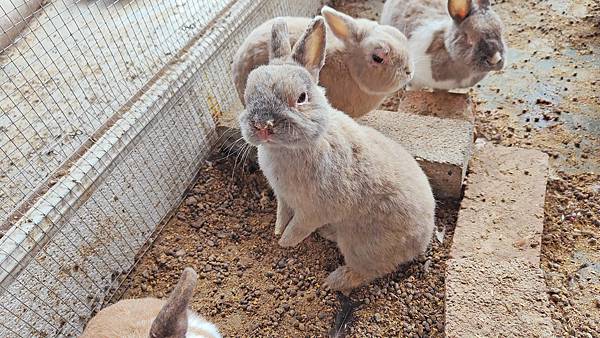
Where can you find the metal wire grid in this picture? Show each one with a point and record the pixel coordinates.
(76, 63)
(93, 241)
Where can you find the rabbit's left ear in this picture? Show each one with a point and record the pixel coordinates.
(172, 319)
(483, 3)
(342, 26)
(280, 41)
(309, 51)
(459, 9)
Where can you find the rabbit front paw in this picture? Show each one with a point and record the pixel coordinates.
(293, 235)
(289, 241)
(284, 216)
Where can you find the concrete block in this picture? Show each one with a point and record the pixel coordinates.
(496, 299)
(438, 104)
(502, 212)
(494, 284)
(441, 146)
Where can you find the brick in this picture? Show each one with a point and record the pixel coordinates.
(441, 146)
(502, 212)
(496, 299)
(438, 104)
(494, 284)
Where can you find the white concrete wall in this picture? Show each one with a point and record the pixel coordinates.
(72, 246)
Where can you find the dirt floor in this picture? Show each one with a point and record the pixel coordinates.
(546, 98)
(249, 286)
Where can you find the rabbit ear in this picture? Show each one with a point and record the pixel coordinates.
(483, 3)
(342, 25)
(172, 318)
(309, 51)
(459, 9)
(280, 41)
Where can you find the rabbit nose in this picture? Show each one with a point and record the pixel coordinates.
(496, 58)
(268, 125)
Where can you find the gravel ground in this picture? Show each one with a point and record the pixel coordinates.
(547, 98)
(571, 253)
(249, 286)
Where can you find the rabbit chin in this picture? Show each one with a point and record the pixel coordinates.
(255, 140)
(385, 89)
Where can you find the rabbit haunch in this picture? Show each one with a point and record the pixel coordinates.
(453, 43)
(152, 317)
(365, 61)
(329, 173)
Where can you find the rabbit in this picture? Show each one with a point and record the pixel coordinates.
(328, 171)
(152, 317)
(365, 62)
(453, 45)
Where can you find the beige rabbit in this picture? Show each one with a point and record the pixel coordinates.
(454, 43)
(326, 169)
(365, 62)
(155, 318)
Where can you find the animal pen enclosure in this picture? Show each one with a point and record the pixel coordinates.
(107, 113)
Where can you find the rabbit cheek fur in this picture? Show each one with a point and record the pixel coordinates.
(328, 171)
(449, 50)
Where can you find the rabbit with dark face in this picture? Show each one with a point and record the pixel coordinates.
(453, 43)
(365, 62)
(328, 170)
(152, 317)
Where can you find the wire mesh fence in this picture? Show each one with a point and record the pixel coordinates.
(107, 111)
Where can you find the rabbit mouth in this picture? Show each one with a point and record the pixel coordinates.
(487, 66)
(490, 64)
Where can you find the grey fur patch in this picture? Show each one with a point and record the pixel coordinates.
(442, 66)
(280, 41)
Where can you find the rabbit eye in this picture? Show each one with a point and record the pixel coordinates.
(377, 58)
(301, 98)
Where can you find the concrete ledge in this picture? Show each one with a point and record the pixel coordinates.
(441, 146)
(494, 285)
(438, 104)
(496, 299)
(502, 213)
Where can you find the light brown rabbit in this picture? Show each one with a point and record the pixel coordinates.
(453, 43)
(326, 169)
(365, 62)
(152, 317)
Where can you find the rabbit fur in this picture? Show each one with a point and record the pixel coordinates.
(152, 317)
(326, 169)
(453, 43)
(355, 83)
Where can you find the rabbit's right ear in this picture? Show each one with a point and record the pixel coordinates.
(172, 319)
(342, 25)
(280, 41)
(459, 9)
(309, 51)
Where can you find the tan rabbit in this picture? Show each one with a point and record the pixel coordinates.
(454, 43)
(365, 62)
(152, 317)
(326, 169)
